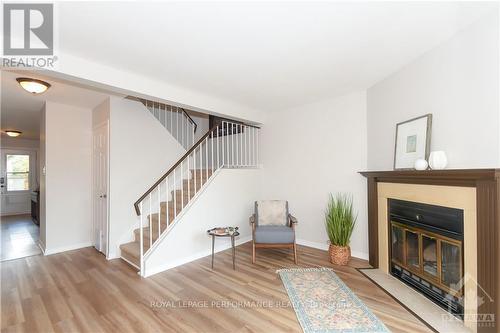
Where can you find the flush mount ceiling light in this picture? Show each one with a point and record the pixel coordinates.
(13, 133)
(33, 86)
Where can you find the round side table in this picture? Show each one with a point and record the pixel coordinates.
(214, 234)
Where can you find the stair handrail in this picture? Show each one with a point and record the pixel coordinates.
(162, 178)
(190, 119)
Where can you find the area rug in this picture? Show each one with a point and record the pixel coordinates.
(323, 303)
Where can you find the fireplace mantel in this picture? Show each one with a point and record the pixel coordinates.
(454, 177)
(487, 188)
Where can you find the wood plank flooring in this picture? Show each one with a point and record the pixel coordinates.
(80, 291)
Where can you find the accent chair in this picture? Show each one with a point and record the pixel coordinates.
(273, 226)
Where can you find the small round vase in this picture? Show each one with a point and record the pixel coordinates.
(339, 255)
(438, 160)
(421, 164)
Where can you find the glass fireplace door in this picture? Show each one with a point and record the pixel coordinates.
(451, 264)
(412, 250)
(430, 256)
(397, 242)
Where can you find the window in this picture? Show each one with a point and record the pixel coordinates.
(18, 172)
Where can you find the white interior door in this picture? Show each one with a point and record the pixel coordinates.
(17, 180)
(100, 187)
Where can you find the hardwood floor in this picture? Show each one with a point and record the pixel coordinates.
(19, 236)
(80, 291)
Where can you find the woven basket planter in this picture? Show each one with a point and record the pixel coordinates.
(339, 255)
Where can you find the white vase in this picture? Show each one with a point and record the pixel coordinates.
(421, 164)
(438, 160)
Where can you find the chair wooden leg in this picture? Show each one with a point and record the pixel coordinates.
(295, 253)
(253, 252)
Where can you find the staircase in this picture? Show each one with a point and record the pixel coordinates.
(225, 145)
(168, 211)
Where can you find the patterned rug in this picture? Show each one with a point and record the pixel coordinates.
(323, 303)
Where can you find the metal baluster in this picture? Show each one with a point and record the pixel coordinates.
(241, 145)
(150, 221)
(206, 157)
(163, 114)
(245, 161)
(212, 134)
(159, 210)
(167, 199)
(177, 116)
(253, 146)
(188, 178)
(237, 146)
(232, 146)
(174, 194)
(182, 185)
(223, 144)
(257, 146)
(182, 130)
(171, 120)
(218, 156)
(194, 170)
(141, 240)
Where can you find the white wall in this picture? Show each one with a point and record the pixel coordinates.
(41, 177)
(141, 151)
(68, 143)
(227, 201)
(311, 151)
(19, 143)
(458, 83)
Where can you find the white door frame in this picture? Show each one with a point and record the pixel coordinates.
(94, 190)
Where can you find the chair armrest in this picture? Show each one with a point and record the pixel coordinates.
(252, 219)
(293, 219)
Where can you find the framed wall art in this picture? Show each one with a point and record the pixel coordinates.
(413, 141)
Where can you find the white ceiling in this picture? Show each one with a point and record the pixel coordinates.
(20, 110)
(265, 55)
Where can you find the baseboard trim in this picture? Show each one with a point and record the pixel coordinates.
(48, 252)
(324, 246)
(196, 256)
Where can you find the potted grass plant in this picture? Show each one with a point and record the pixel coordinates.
(339, 221)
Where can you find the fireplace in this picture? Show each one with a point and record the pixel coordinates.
(426, 251)
(474, 194)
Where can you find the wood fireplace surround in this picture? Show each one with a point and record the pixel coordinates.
(478, 191)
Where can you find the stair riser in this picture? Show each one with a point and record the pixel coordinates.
(179, 198)
(137, 236)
